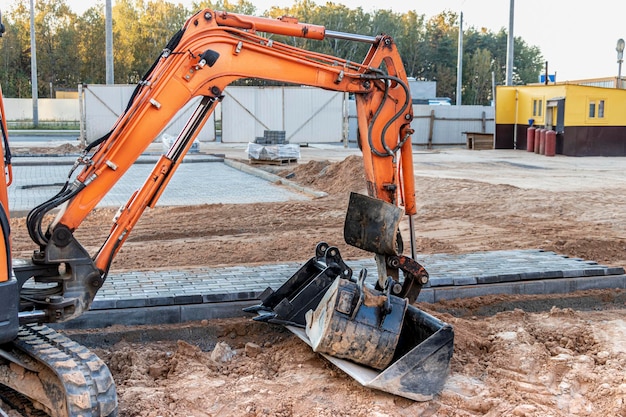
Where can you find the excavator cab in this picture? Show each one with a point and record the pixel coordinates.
(371, 332)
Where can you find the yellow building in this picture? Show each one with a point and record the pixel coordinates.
(588, 120)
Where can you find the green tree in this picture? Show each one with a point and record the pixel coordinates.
(159, 22)
(91, 47)
(72, 47)
(440, 53)
(15, 53)
(528, 62)
(126, 35)
(56, 40)
(411, 41)
(477, 69)
(240, 6)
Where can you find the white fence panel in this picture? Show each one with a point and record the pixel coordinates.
(103, 104)
(248, 111)
(305, 114)
(48, 109)
(448, 123)
(313, 115)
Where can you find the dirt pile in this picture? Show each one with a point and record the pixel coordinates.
(333, 178)
(64, 149)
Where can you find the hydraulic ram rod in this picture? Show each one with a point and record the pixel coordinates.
(349, 36)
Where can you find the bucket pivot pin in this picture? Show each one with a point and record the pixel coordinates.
(415, 277)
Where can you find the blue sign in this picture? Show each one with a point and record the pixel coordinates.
(551, 78)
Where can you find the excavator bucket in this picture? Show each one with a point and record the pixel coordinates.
(421, 362)
(372, 225)
(415, 352)
(375, 335)
(304, 290)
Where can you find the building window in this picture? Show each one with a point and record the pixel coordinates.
(601, 109)
(537, 108)
(596, 109)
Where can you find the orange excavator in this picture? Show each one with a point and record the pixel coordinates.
(373, 332)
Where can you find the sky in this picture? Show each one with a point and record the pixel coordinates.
(576, 38)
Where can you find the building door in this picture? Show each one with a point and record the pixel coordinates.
(555, 120)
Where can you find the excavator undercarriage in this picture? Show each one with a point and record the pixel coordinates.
(59, 377)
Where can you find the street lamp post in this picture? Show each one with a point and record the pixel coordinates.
(620, 58)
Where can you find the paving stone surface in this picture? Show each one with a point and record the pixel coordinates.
(449, 274)
(200, 179)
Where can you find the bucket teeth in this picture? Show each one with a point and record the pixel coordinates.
(303, 291)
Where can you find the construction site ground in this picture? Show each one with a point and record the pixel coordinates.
(557, 352)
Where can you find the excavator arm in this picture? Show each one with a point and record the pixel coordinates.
(379, 326)
(212, 50)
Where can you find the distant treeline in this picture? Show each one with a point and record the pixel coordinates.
(71, 47)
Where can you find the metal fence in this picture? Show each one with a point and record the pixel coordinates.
(307, 115)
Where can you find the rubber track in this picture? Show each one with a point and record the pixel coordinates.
(66, 358)
(18, 403)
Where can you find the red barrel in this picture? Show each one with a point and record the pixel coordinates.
(550, 147)
(542, 142)
(537, 140)
(530, 139)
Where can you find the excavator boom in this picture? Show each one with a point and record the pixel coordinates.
(212, 50)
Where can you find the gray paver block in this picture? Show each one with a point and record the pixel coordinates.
(610, 281)
(594, 272)
(532, 287)
(460, 281)
(451, 293)
(103, 304)
(560, 286)
(550, 274)
(509, 277)
(160, 301)
(131, 303)
(441, 281)
(488, 279)
(201, 293)
(125, 317)
(214, 311)
(572, 273)
(427, 295)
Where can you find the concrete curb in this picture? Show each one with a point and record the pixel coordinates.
(273, 178)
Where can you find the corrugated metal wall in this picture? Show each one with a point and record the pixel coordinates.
(305, 114)
(103, 104)
(445, 125)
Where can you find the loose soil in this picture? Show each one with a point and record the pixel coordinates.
(550, 361)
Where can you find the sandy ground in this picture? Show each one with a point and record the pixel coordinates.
(565, 361)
